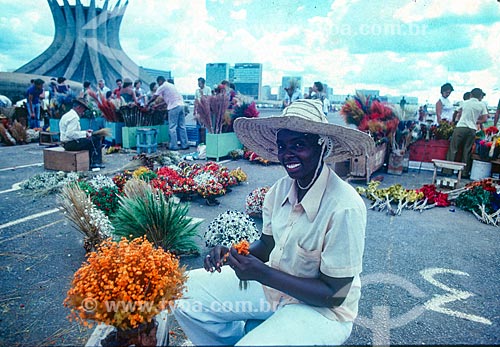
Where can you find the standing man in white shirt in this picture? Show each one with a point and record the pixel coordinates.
(473, 112)
(175, 108)
(202, 89)
(75, 139)
(102, 90)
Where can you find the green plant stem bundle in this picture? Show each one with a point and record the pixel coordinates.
(145, 211)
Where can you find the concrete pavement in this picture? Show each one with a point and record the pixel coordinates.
(429, 278)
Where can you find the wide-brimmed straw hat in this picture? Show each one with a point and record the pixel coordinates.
(81, 101)
(304, 116)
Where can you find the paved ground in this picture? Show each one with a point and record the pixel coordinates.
(430, 278)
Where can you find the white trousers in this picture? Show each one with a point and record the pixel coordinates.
(214, 311)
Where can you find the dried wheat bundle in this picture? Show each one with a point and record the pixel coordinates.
(203, 113)
(218, 106)
(80, 210)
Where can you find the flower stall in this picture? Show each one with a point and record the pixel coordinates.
(380, 121)
(486, 153)
(217, 113)
(431, 141)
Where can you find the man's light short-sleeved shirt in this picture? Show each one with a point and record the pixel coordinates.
(170, 95)
(472, 109)
(323, 233)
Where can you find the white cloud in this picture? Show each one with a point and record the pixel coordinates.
(238, 15)
(454, 41)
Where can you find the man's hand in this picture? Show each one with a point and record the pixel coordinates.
(89, 133)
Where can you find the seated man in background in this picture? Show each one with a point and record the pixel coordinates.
(75, 139)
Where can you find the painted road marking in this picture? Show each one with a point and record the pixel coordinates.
(438, 301)
(25, 219)
(54, 210)
(15, 186)
(30, 231)
(20, 166)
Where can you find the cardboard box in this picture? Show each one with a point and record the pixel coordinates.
(58, 159)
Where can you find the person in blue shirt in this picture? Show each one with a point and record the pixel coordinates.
(33, 95)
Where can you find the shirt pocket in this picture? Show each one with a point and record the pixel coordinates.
(306, 262)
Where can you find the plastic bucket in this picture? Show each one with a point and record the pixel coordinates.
(480, 170)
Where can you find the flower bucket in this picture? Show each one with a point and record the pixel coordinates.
(92, 123)
(480, 170)
(129, 135)
(219, 145)
(116, 132)
(54, 125)
(156, 336)
(395, 166)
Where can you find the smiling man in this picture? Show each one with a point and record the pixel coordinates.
(303, 273)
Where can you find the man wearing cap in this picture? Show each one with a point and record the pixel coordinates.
(75, 139)
(473, 112)
(303, 273)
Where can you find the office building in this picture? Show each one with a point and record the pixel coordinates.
(266, 92)
(154, 73)
(368, 92)
(215, 73)
(248, 79)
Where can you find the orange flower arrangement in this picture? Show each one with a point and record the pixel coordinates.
(125, 284)
(243, 247)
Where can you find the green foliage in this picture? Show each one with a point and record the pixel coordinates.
(86, 187)
(106, 199)
(164, 222)
(148, 176)
(471, 199)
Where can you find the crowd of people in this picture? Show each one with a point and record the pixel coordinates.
(316, 92)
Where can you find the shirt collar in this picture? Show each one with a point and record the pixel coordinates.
(311, 201)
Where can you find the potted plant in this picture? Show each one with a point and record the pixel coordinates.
(145, 211)
(217, 113)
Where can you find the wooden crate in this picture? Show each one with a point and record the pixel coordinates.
(58, 159)
(365, 165)
(49, 138)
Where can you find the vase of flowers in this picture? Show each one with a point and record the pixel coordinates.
(217, 113)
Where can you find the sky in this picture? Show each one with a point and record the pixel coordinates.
(400, 47)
